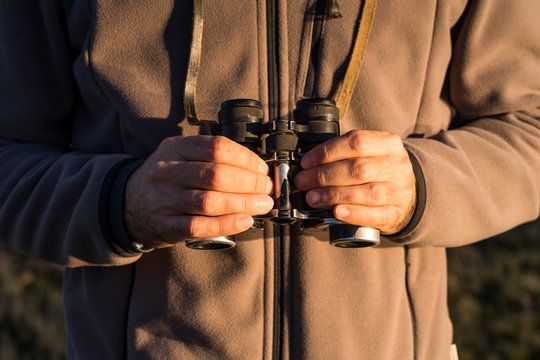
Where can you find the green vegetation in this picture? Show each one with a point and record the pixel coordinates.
(494, 297)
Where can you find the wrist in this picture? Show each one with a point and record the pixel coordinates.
(112, 208)
(416, 210)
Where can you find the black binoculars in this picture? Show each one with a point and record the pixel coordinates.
(285, 141)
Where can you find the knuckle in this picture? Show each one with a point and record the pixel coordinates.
(357, 140)
(194, 227)
(259, 185)
(223, 227)
(169, 142)
(248, 205)
(158, 170)
(360, 170)
(204, 202)
(326, 153)
(321, 177)
(213, 175)
(377, 193)
(333, 196)
(220, 147)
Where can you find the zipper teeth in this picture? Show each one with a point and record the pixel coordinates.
(273, 113)
(278, 293)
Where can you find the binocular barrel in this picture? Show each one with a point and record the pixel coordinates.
(315, 121)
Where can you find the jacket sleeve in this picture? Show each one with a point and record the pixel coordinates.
(49, 194)
(482, 177)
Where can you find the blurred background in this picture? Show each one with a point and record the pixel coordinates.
(494, 299)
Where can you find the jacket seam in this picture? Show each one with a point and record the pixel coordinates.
(411, 303)
(89, 47)
(428, 62)
(128, 309)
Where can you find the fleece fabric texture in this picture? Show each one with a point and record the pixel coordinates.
(88, 85)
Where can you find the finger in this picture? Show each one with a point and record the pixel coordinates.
(384, 218)
(213, 203)
(346, 172)
(218, 149)
(371, 194)
(180, 227)
(356, 143)
(211, 176)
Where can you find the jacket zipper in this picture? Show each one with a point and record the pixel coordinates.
(273, 66)
(313, 67)
(273, 113)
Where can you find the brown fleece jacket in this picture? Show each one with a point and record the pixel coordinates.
(87, 85)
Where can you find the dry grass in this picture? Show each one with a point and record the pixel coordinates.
(31, 321)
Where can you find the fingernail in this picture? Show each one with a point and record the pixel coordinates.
(266, 203)
(245, 222)
(313, 197)
(300, 180)
(263, 168)
(342, 212)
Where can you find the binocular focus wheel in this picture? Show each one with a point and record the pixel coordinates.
(215, 243)
(350, 236)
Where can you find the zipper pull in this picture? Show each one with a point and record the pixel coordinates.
(333, 10)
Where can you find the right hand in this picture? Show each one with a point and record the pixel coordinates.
(196, 187)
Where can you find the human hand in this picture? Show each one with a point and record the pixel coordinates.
(366, 176)
(196, 187)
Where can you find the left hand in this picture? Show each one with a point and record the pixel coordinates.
(366, 176)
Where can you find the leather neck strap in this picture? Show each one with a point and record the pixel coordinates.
(349, 82)
(194, 62)
(353, 69)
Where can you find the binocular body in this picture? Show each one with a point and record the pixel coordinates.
(282, 143)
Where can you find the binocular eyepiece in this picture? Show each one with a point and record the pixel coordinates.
(284, 142)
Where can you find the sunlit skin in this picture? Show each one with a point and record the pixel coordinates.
(206, 186)
(196, 187)
(366, 176)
